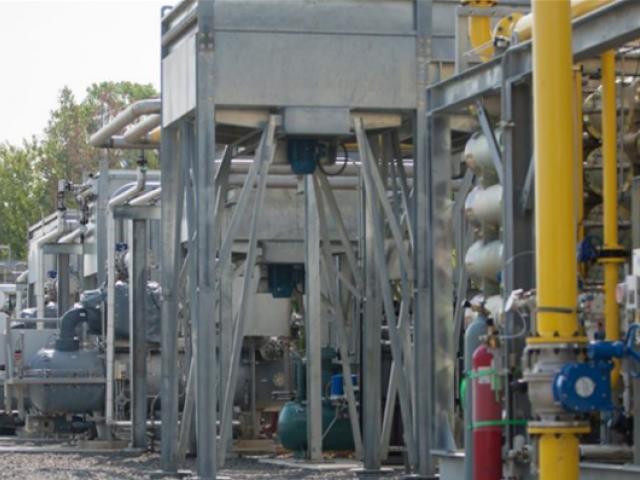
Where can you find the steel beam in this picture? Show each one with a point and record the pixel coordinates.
(375, 197)
(138, 333)
(63, 248)
(332, 204)
(494, 148)
(608, 27)
(249, 284)
(330, 274)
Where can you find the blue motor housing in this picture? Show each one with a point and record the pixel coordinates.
(584, 387)
(303, 155)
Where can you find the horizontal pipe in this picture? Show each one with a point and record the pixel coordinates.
(138, 132)
(118, 142)
(176, 11)
(523, 27)
(146, 198)
(75, 234)
(128, 194)
(180, 28)
(351, 169)
(606, 452)
(142, 107)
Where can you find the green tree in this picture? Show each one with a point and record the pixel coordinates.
(23, 199)
(67, 153)
(29, 173)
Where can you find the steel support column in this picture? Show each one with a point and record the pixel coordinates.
(205, 354)
(187, 423)
(172, 202)
(138, 334)
(64, 300)
(313, 322)
(424, 382)
(518, 237)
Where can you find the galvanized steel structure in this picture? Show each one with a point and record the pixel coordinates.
(247, 74)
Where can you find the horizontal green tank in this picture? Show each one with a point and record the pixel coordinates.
(292, 428)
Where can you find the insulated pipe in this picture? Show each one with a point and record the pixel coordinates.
(555, 223)
(128, 194)
(522, 29)
(102, 138)
(479, 27)
(62, 226)
(75, 234)
(610, 203)
(138, 132)
(70, 320)
(149, 197)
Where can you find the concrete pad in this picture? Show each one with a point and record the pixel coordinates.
(325, 465)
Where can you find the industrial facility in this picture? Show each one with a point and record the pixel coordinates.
(386, 239)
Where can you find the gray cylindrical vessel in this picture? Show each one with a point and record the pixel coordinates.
(64, 398)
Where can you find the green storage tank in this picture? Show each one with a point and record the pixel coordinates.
(292, 428)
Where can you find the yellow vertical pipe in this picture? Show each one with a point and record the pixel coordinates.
(555, 211)
(577, 74)
(610, 200)
(555, 186)
(480, 29)
(561, 459)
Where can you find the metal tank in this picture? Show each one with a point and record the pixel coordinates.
(82, 366)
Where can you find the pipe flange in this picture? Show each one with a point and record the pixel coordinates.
(545, 427)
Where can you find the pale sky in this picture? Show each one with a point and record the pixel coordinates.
(47, 44)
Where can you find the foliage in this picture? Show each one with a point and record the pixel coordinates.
(23, 199)
(29, 173)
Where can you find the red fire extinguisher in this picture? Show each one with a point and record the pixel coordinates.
(487, 415)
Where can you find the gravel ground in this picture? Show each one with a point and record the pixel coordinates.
(56, 466)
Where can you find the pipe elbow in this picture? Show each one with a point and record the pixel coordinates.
(67, 340)
(479, 28)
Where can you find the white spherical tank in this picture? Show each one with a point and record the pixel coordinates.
(477, 154)
(484, 205)
(484, 260)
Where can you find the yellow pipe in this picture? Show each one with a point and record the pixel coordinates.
(555, 214)
(577, 74)
(555, 195)
(610, 201)
(578, 8)
(155, 135)
(559, 456)
(480, 29)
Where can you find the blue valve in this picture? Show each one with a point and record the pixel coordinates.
(586, 386)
